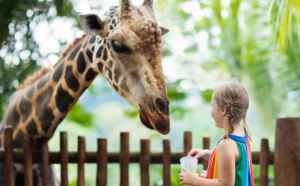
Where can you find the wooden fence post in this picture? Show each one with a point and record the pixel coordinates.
(264, 162)
(45, 163)
(28, 162)
(102, 162)
(206, 145)
(287, 152)
(8, 157)
(187, 142)
(64, 158)
(166, 162)
(145, 162)
(124, 159)
(81, 160)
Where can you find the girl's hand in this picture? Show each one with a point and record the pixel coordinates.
(196, 153)
(188, 177)
(199, 153)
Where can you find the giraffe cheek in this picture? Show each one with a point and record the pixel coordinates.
(117, 74)
(124, 86)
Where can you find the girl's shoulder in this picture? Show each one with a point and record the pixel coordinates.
(227, 143)
(228, 146)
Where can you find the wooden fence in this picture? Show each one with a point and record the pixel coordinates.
(287, 129)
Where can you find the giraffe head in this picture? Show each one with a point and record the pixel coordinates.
(127, 50)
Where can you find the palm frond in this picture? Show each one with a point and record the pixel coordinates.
(282, 15)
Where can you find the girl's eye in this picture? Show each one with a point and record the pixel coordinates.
(118, 47)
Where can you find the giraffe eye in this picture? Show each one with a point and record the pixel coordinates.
(119, 47)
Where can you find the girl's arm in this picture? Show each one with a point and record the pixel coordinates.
(200, 153)
(227, 153)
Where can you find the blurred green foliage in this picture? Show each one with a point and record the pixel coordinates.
(285, 18)
(207, 95)
(256, 42)
(79, 115)
(243, 37)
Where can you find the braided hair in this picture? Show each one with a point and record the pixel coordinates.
(234, 98)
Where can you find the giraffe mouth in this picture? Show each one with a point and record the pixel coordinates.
(145, 121)
(160, 123)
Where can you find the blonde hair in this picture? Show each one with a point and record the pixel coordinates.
(234, 98)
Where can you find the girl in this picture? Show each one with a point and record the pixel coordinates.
(230, 163)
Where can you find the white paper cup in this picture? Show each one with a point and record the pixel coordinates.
(189, 163)
(204, 173)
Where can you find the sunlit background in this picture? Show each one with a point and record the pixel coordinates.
(210, 42)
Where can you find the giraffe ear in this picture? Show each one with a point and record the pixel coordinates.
(164, 31)
(92, 24)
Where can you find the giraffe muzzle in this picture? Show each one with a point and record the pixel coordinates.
(156, 115)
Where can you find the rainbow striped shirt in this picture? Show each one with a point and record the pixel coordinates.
(243, 166)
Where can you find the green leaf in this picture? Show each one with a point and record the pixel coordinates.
(207, 95)
(166, 52)
(79, 116)
(192, 49)
(131, 113)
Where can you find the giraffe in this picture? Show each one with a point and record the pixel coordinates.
(125, 46)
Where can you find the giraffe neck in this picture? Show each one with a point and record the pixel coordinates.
(63, 87)
(72, 76)
(36, 110)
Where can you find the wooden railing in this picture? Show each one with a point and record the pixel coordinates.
(101, 157)
(145, 157)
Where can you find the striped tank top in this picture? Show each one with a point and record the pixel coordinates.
(243, 166)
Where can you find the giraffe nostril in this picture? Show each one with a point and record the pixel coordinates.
(162, 106)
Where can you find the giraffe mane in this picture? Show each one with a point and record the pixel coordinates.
(69, 49)
(42, 71)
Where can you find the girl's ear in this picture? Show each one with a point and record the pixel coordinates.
(224, 111)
